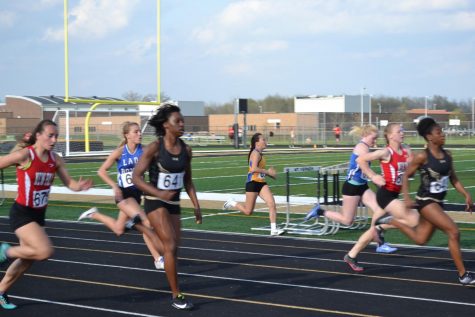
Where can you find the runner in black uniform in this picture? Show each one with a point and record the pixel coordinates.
(168, 160)
(436, 169)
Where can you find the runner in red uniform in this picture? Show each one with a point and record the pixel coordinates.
(36, 167)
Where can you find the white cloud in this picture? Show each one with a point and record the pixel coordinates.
(7, 18)
(237, 69)
(138, 48)
(250, 21)
(95, 19)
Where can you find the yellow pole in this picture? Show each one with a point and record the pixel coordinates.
(86, 127)
(158, 53)
(66, 53)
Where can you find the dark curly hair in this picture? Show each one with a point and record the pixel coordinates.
(425, 126)
(161, 116)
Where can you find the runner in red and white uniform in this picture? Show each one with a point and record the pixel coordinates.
(393, 159)
(36, 167)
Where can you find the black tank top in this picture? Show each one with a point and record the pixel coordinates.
(168, 172)
(434, 177)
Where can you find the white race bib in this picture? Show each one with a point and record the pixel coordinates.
(440, 185)
(40, 198)
(126, 179)
(170, 181)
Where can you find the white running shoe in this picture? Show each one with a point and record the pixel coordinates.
(277, 232)
(88, 213)
(230, 203)
(159, 263)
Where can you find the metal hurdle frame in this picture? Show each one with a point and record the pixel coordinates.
(321, 226)
(361, 217)
(2, 190)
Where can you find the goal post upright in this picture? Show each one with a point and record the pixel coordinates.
(97, 102)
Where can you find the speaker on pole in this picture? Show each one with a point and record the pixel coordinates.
(243, 105)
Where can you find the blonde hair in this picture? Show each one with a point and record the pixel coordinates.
(389, 128)
(126, 126)
(362, 131)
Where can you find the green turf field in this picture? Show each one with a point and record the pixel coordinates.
(226, 174)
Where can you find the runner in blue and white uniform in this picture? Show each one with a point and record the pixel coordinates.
(356, 190)
(126, 195)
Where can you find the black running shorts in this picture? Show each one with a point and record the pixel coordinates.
(151, 205)
(21, 215)
(131, 192)
(420, 204)
(384, 197)
(349, 189)
(254, 187)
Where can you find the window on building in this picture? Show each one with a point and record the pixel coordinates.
(78, 129)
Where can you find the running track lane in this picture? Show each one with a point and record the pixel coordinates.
(94, 273)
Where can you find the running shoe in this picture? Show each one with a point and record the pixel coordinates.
(385, 248)
(159, 263)
(277, 232)
(353, 263)
(230, 203)
(468, 278)
(3, 252)
(5, 302)
(130, 224)
(316, 212)
(88, 214)
(180, 302)
(384, 219)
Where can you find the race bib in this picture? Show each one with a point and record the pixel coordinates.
(440, 185)
(170, 181)
(126, 179)
(40, 198)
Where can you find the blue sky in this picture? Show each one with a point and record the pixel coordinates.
(218, 50)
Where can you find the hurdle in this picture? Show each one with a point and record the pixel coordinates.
(2, 188)
(335, 172)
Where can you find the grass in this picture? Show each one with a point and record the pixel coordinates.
(226, 174)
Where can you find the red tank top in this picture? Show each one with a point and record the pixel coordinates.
(394, 169)
(35, 180)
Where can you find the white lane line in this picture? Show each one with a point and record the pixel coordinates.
(338, 290)
(123, 312)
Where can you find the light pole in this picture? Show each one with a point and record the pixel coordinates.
(425, 98)
(473, 115)
(379, 104)
(362, 103)
(369, 119)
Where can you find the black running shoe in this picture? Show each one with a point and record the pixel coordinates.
(180, 302)
(468, 278)
(130, 224)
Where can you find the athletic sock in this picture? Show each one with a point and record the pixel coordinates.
(273, 226)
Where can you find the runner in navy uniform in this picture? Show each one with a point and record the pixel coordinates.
(435, 166)
(168, 161)
(36, 166)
